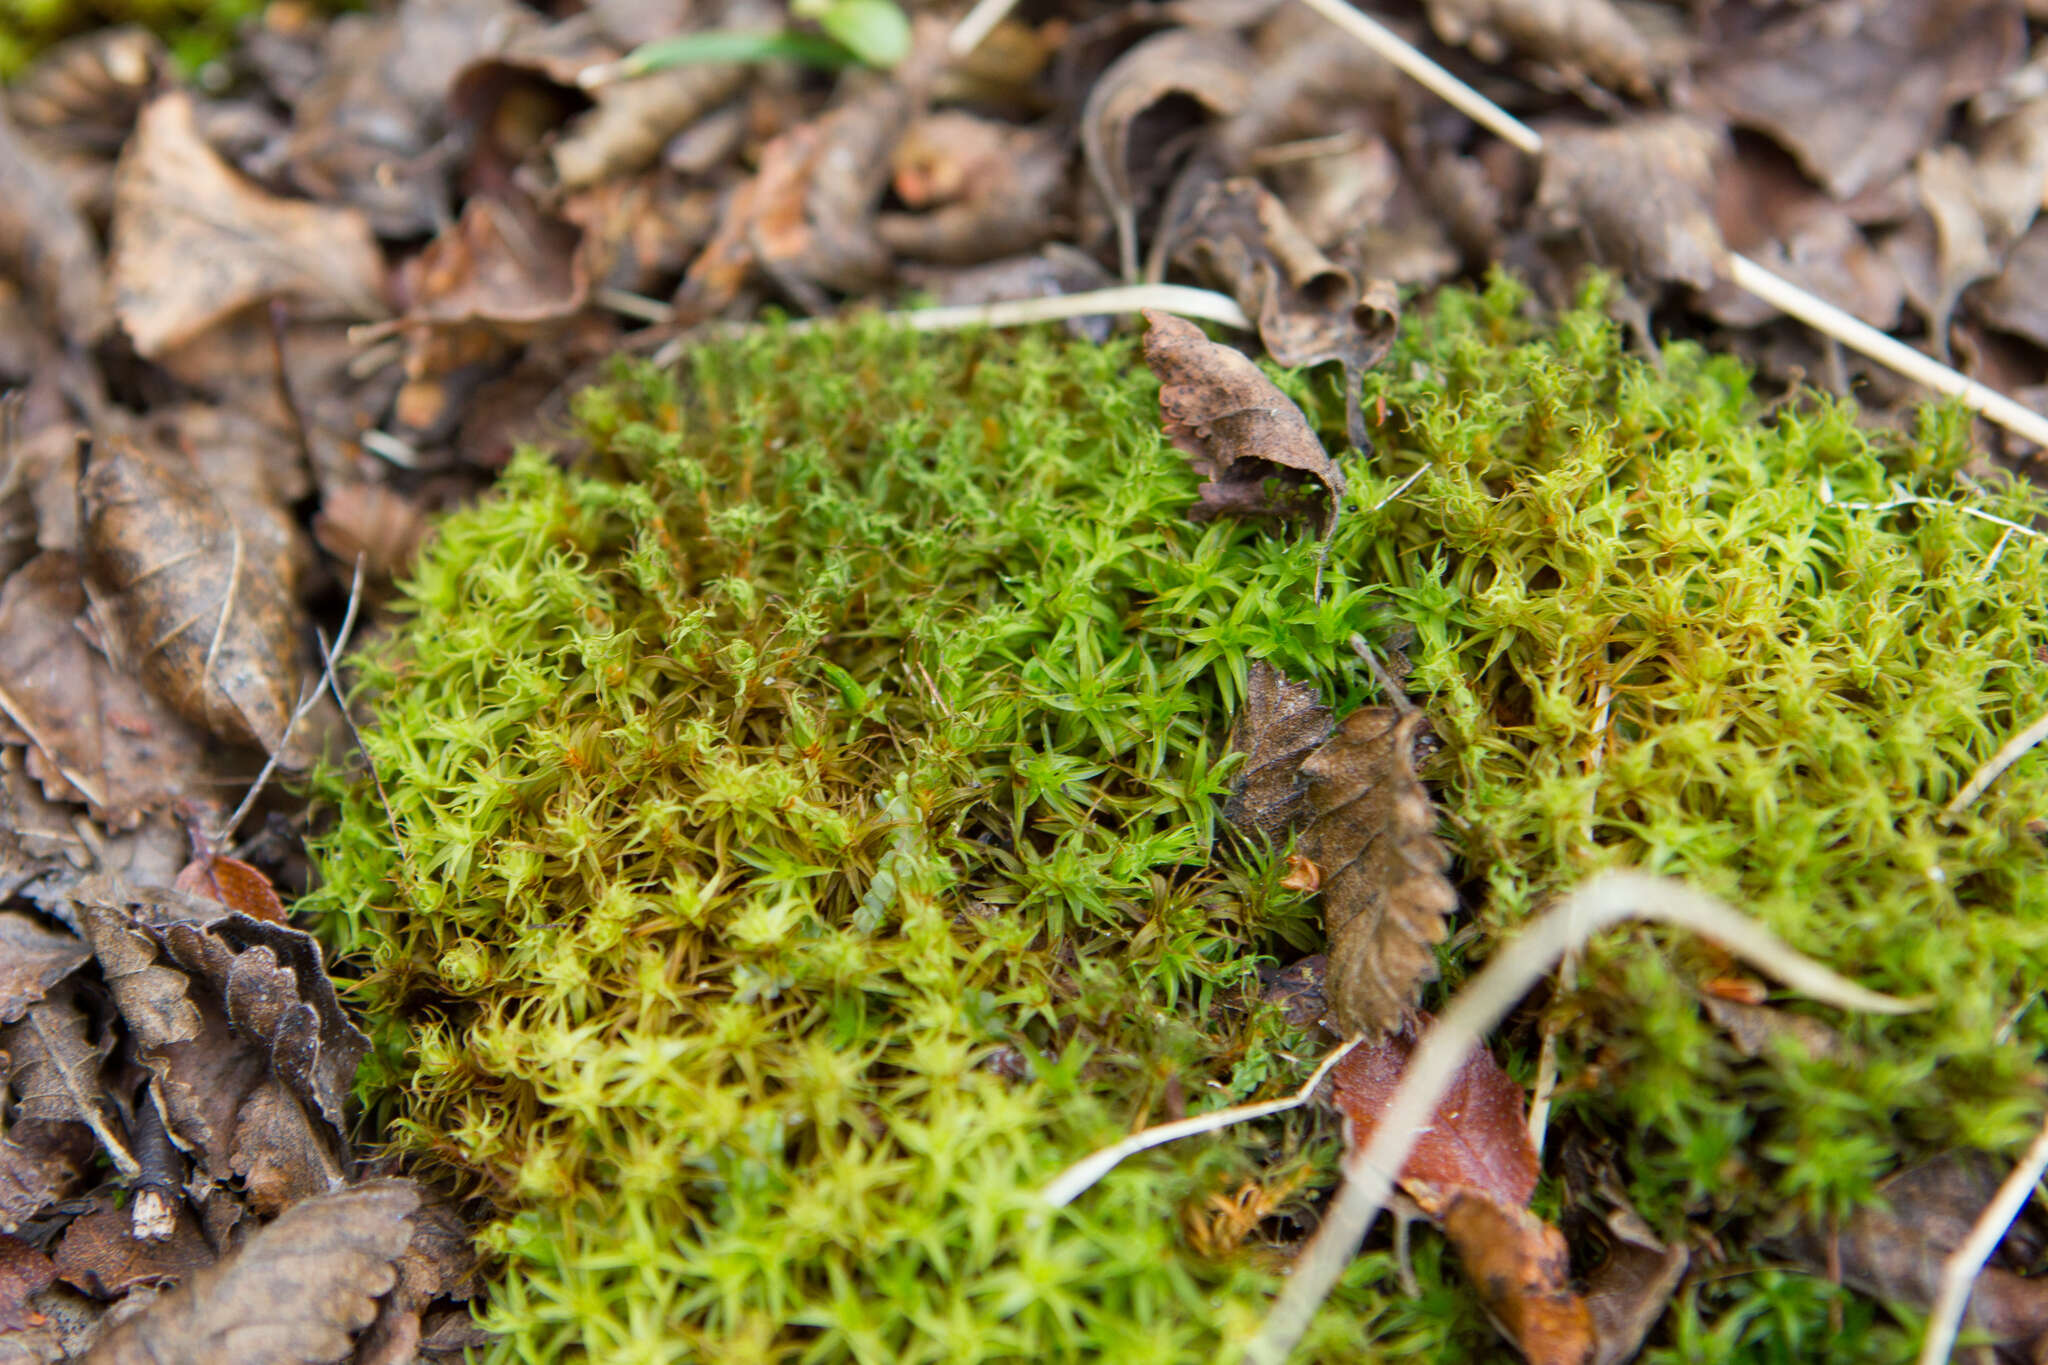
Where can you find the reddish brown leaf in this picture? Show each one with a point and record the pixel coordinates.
(1385, 895)
(1281, 723)
(1308, 308)
(234, 884)
(102, 1256)
(1210, 67)
(1253, 448)
(981, 189)
(1523, 1272)
(295, 1293)
(24, 1271)
(193, 241)
(183, 598)
(1477, 1140)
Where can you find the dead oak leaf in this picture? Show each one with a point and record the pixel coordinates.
(1281, 723)
(1247, 440)
(1385, 895)
(193, 241)
(295, 1293)
(181, 594)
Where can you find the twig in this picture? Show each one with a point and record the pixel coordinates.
(1546, 1085)
(1606, 900)
(1071, 1182)
(307, 697)
(1959, 1272)
(1980, 781)
(385, 446)
(1740, 271)
(628, 304)
(979, 23)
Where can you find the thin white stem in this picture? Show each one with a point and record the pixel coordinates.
(1740, 271)
(1402, 487)
(1071, 1182)
(979, 23)
(1606, 900)
(1959, 1272)
(2008, 754)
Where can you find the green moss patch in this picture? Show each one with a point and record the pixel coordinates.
(809, 843)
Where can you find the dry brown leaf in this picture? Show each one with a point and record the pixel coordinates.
(2016, 299)
(32, 960)
(635, 119)
(294, 1294)
(1308, 308)
(101, 1255)
(1895, 1252)
(279, 1152)
(1523, 1272)
(96, 734)
(1641, 191)
(372, 520)
(234, 884)
(56, 1079)
(1281, 723)
(180, 592)
(193, 241)
(1251, 445)
(24, 1271)
(45, 243)
(505, 263)
(1857, 91)
(1592, 36)
(1477, 1141)
(1755, 1029)
(1769, 212)
(1628, 1293)
(86, 91)
(981, 189)
(1210, 68)
(40, 1163)
(1385, 895)
(370, 130)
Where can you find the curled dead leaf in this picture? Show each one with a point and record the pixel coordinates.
(1281, 723)
(1308, 308)
(981, 189)
(1248, 441)
(179, 593)
(193, 241)
(233, 883)
(1210, 68)
(1385, 895)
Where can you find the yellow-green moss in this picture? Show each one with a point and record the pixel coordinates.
(197, 30)
(809, 836)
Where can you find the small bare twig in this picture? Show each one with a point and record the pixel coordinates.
(1606, 900)
(2008, 754)
(1959, 1272)
(1071, 1182)
(308, 696)
(1743, 273)
(979, 23)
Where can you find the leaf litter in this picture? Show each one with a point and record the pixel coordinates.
(414, 174)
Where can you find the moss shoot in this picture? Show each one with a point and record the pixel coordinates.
(807, 841)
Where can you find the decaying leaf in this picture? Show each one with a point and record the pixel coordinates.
(101, 1255)
(234, 884)
(980, 189)
(1478, 1140)
(1641, 191)
(179, 593)
(1385, 895)
(86, 91)
(56, 1080)
(1210, 68)
(1309, 309)
(278, 1152)
(193, 241)
(1523, 1272)
(46, 244)
(505, 268)
(2016, 300)
(1895, 1252)
(275, 987)
(1279, 725)
(373, 520)
(295, 1293)
(95, 733)
(634, 119)
(1857, 91)
(1249, 442)
(24, 1271)
(1592, 36)
(32, 960)
(1769, 212)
